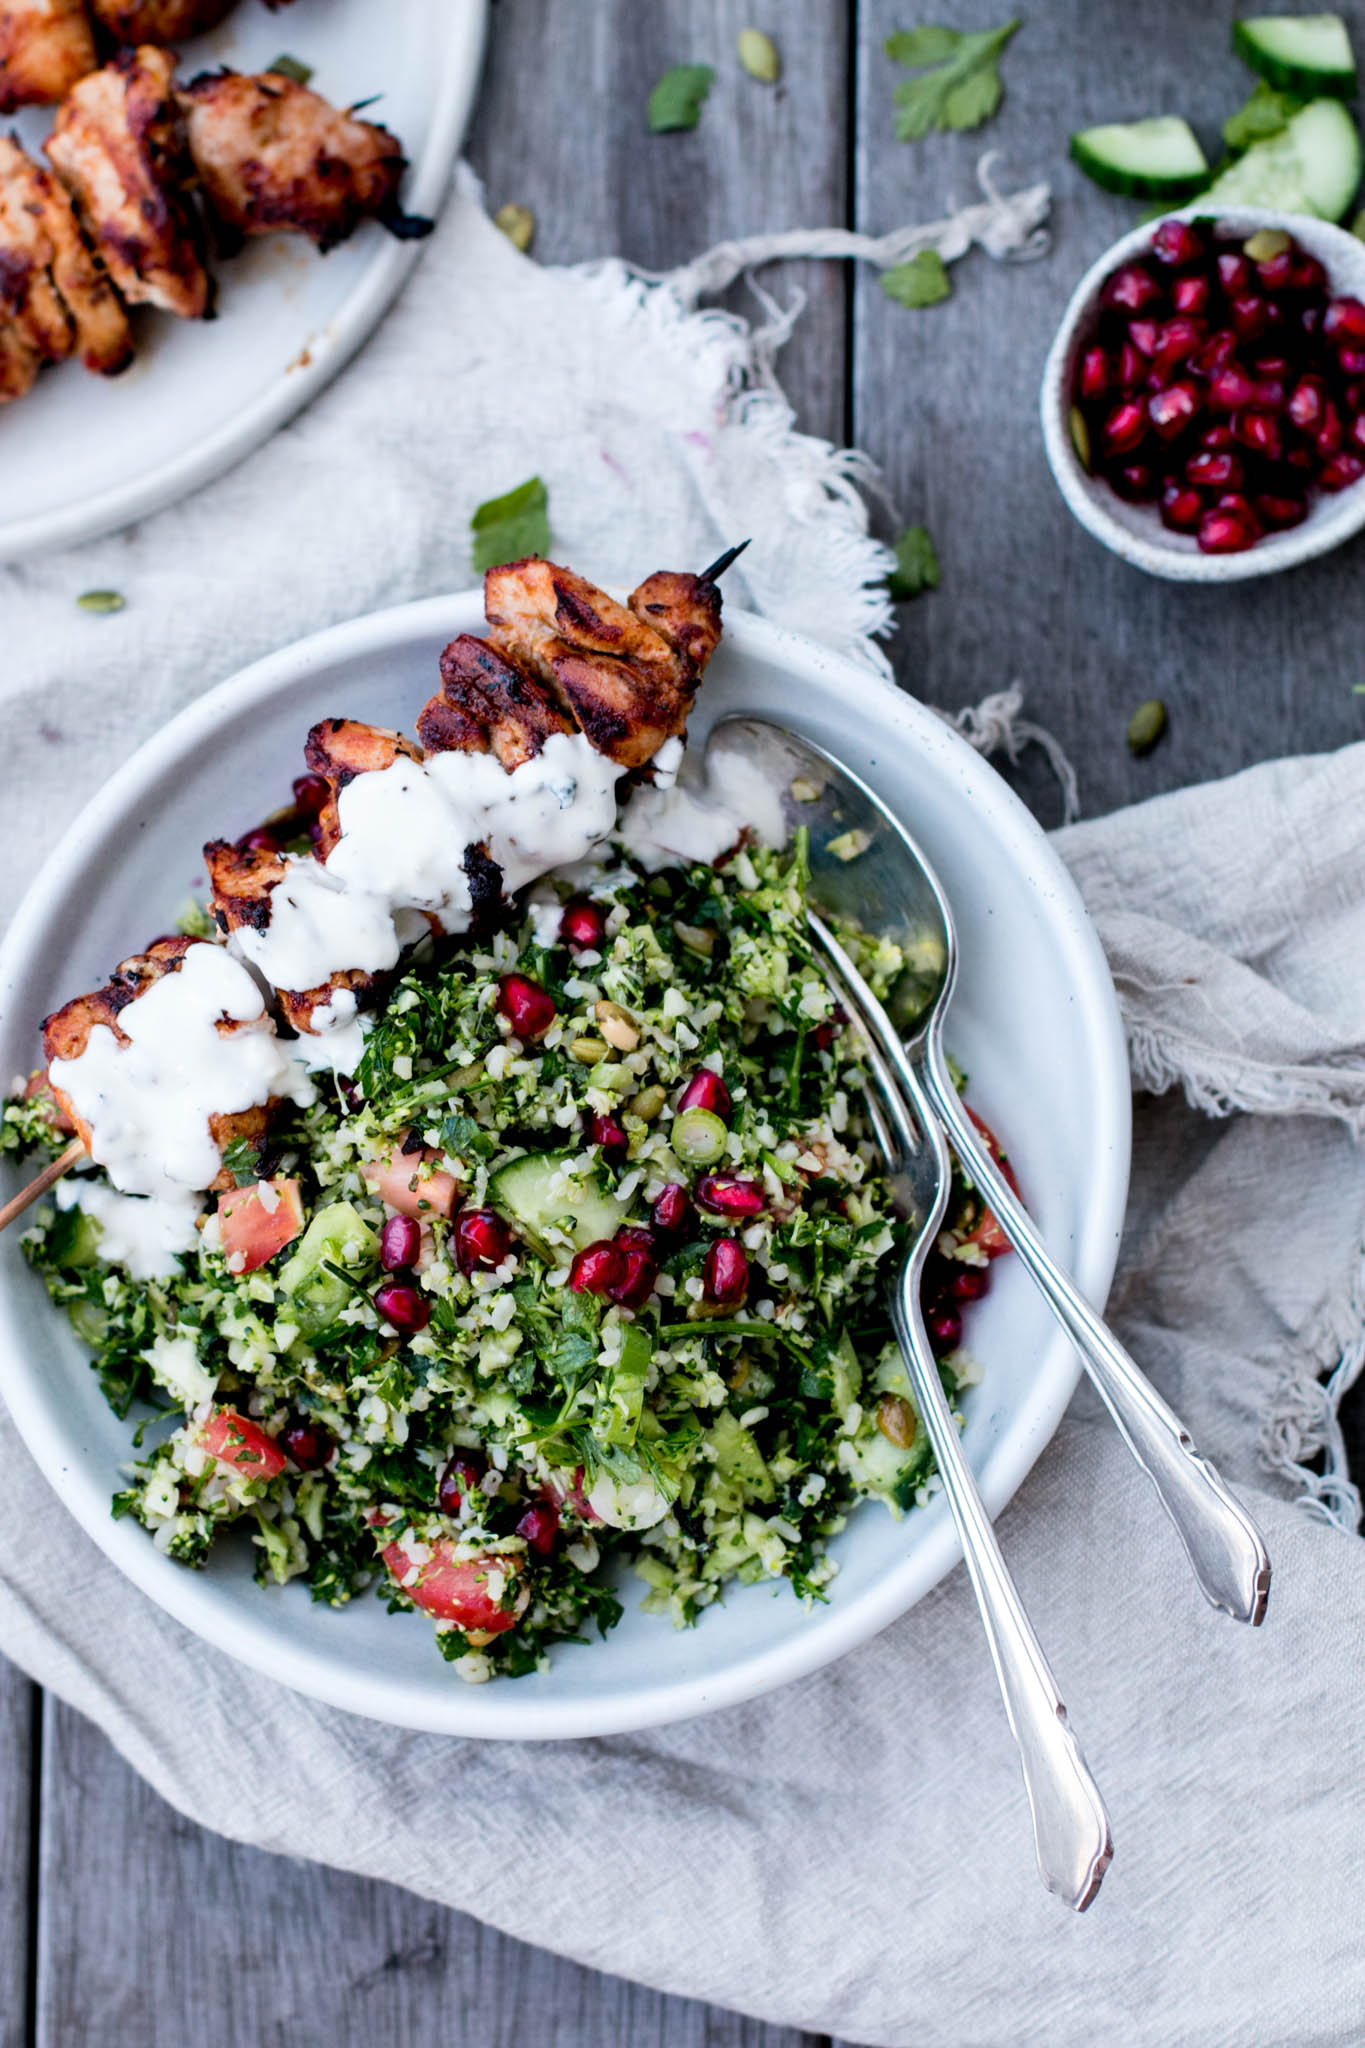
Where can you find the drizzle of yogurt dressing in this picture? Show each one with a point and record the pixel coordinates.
(138, 1232)
(700, 817)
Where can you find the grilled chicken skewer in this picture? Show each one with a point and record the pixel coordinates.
(59, 298)
(45, 46)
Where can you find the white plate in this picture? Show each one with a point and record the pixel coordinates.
(82, 455)
(1034, 1021)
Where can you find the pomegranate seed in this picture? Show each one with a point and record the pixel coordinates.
(1125, 428)
(1132, 367)
(528, 1008)
(945, 1329)
(259, 840)
(1307, 274)
(1339, 471)
(1182, 507)
(599, 1269)
(1214, 472)
(1276, 272)
(969, 1283)
(1131, 290)
(1227, 531)
(1191, 295)
(1176, 343)
(403, 1306)
(671, 1208)
(1299, 459)
(1352, 361)
(582, 926)
(1171, 411)
(400, 1241)
(726, 1194)
(1353, 395)
(1344, 321)
(1250, 315)
(482, 1240)
(1277, 511)
(1234, 272)
(1143, 335)
(1135, 481)
(608, 1132)
(1217, 438)
(1178, 244)
(1270, 366)
(1310, 319)
(1092, 377)
(725, 1275)
(1229, 388)
(307, 1444)
(1259, 431)
(1268, 394)
(1306, 402)
(310, 794)
(642, 1268)
(1214, 353)
(1355, 434)
(1328, 438)
(461, 1476)
(539, 1526)
(705, 1091)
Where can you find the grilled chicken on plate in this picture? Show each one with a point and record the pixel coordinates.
(45, 46)
(55, 296)
(158, 21)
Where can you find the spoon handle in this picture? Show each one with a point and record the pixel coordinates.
(1221, 1541)
(1070, 1826)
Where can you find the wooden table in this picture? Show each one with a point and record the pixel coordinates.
(127, 1927)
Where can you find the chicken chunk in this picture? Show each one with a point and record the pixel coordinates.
(271, 154)
(620, 680)
(242, 879)
(56, 291)
(45, 46)
(158, 21)
(66, 1033)
(685, 609)
(339, 749)
(485, 703)
(118, 145)
(19, 366)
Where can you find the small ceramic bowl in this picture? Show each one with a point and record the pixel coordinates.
(1135, 532)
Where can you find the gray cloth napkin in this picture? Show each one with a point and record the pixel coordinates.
(851, 1854)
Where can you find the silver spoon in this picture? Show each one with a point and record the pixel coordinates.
(1071, 1836)
(889, 887)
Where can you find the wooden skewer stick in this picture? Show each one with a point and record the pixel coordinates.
(41, 1182)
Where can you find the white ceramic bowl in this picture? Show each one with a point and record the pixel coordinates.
(1034, 1021)
(1135, 532)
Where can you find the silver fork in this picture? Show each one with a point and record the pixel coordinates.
(1070, 1826)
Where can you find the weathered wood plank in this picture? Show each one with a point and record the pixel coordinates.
(561, 128)
(18, 1765)
(946, 400)
(156, 1934)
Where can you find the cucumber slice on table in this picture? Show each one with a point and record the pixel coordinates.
(1312, 166)
(538, 1192)
(1155, 159)
(1303, 53)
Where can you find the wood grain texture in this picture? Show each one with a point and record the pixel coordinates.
(947, 401)
(156, 1934)
(19, 1708)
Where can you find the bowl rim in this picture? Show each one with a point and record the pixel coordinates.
(1160, 553)
(257, 1638)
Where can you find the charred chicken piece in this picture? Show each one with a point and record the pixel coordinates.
(158, 21)
(271, 154)
(485, 703)
(618, 675)
(118, 145)
(45, 46)
(19, 366)
(66, 1033)
(339, 749)
(54, 289)
(242, 879)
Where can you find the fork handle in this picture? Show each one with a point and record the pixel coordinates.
(1222, 1542)
(1070, 1826)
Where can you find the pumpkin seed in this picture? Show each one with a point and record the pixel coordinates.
(1265, 243)
(618, 1026)
(518, 223)
(1146, 726)
(588, 1050)
(759, 56)
(647, 1104)
(1080, 437)
(101, 601)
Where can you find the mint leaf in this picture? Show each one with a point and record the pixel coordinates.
(509, 527)
(961, 90)
(676, 101)
(1264, 114)
(243, 1161)
(916, 567)
(923, 281)
(290, 67)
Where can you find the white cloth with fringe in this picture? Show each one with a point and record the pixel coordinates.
(851, 1854)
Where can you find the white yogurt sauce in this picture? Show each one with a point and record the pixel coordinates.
(701, 818)
(148, 1102)
(139, 1233)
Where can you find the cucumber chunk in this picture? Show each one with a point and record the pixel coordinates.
(541, 1192)
(1155, 159)
(1312, 166)
(1303, 53)
(337, 1236)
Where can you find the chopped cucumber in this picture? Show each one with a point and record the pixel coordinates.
(337, 1236)
(871, 1460)
(540, 1192)
(1312, 166)
(1156, 159)
(1303, 53)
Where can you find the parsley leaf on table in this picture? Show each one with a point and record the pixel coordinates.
(916, 567)
(961, 90)
(923, 281)
(676, 101)
(509, 527)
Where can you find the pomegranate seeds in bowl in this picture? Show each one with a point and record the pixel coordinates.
(1218, 380)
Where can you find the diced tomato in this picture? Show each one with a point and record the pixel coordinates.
(38, 1088)
(258, 1221)
(241, 1444)
(408, 1183)
(987, 1235)
(482, 1595)
(569, 1493)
